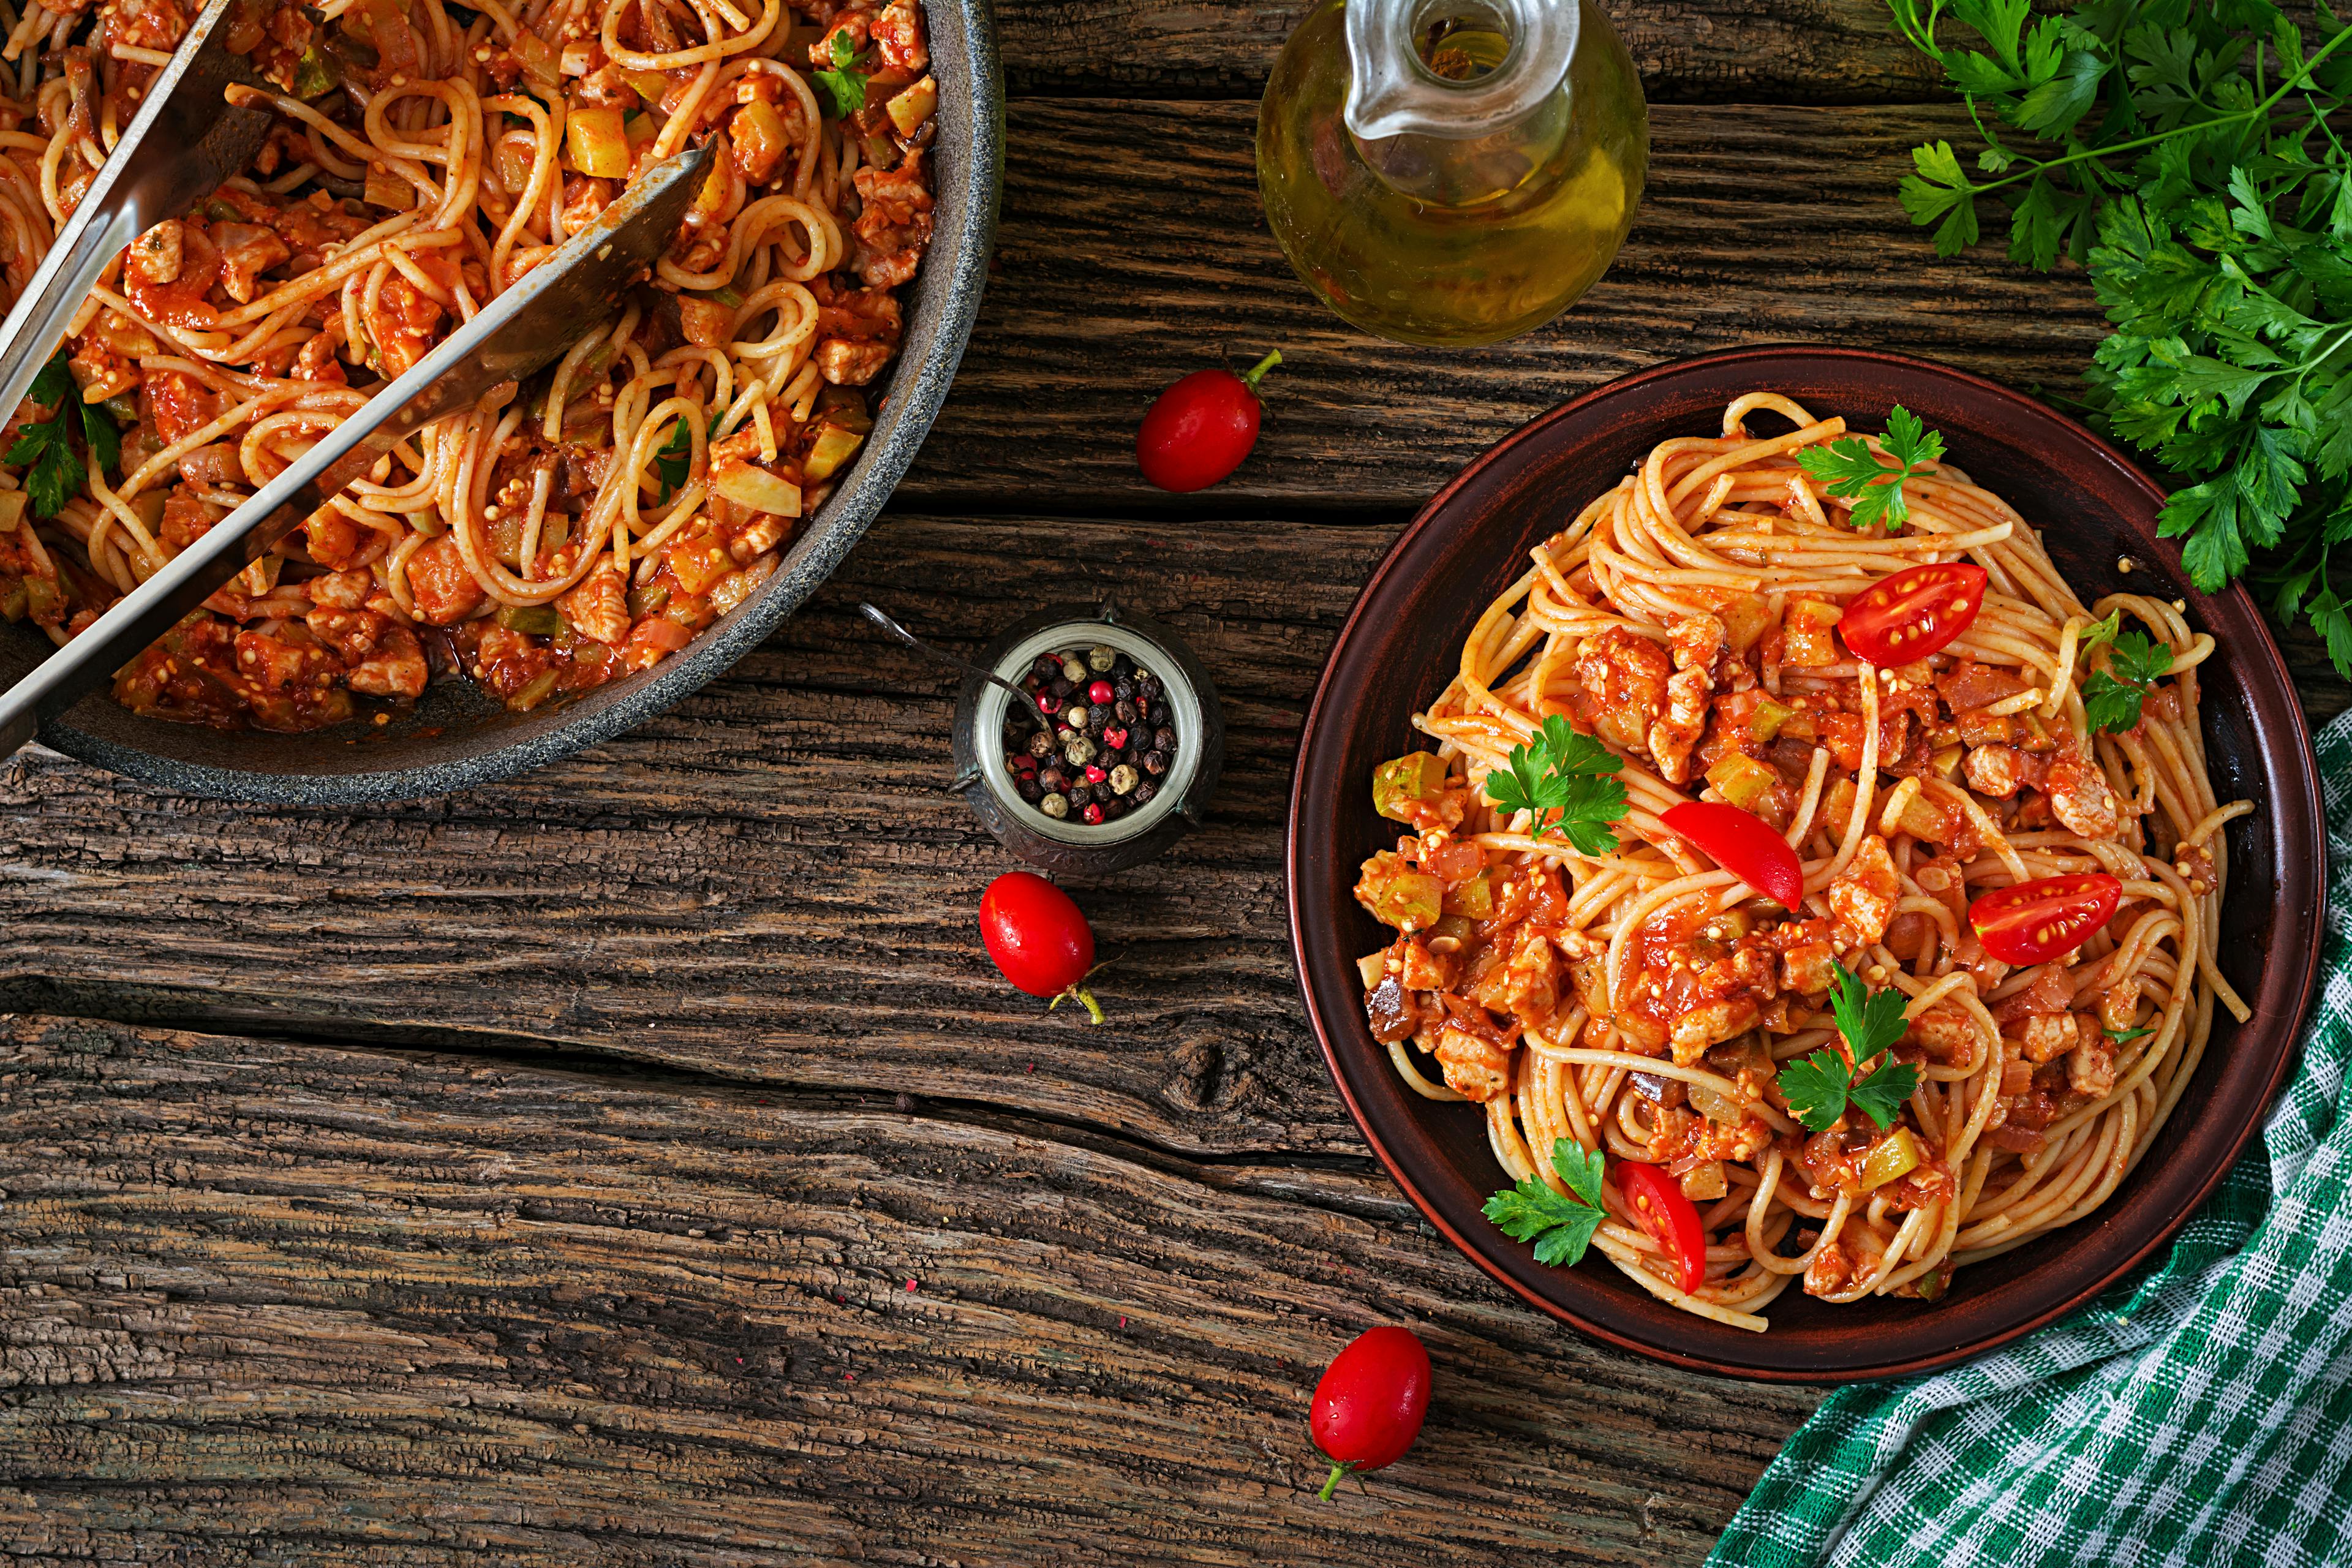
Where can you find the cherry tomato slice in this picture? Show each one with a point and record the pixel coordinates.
(1909, 616)
(1744, 844)
(2035, 921)
(1670, 1219)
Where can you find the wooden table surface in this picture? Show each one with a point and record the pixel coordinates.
(639, 1162)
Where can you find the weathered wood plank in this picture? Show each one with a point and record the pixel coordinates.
(769, 882)
(258, 1300)
(1799, 51)
(1132, 252)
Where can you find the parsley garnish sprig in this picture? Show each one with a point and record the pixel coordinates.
(53, 470)
(1563, 780)
(2192, 158)
(1561, 1226)
(1820, 1087)
(1848, 468)
(843, 88)
(2112, 697)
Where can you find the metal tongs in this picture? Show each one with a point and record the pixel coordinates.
(518, 333)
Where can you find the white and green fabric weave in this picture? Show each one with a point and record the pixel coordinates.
(2200, 1416)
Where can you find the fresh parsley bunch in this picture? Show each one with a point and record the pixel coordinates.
(1848, 467)
(1820, 1087)
(1561, 1227)
(53, 470)
(1563, 780)
(2191, 154)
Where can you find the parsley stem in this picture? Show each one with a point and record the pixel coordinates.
(2260, 110)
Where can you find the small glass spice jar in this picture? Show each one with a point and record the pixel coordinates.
(991, 736)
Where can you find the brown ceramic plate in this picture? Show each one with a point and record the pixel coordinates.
(1406, 632)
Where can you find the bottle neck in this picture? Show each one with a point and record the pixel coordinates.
(1455, 69)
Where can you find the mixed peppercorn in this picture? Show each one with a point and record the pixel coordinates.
(1106, 741)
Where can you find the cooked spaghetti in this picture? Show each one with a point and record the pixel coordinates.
(1644, 1003)
(425, 156)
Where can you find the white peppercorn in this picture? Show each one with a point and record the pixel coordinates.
(1055, 805)
(1074, 668)
(1101, 656)
(1122, 779)
(1078, 751)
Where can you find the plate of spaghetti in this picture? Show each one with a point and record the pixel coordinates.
(579, 550)
(1788, 875)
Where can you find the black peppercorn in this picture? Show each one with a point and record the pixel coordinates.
(1060, 686)
(1041, 744)
(1155, 763)
(1144, 792)
(1123, 709)
(1112, 807)
(1044, 666)
(1146, 684)
(1123, 690)
(1053, 780)
(1165, 740)
(1029, 788)
(1080, 795)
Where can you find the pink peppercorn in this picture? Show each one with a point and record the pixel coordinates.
(1048, 703)
(1099, 693)
(1095, 773)
(1115, 739)
(1093, 813)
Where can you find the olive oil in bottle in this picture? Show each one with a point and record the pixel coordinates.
(1452, 172)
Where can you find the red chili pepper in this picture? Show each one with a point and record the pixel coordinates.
(1912, 614)
(1200, 429)
(1368, 1405)
(1743, 845)
(1039, 940)
(1668, 1218)
(2035, 921)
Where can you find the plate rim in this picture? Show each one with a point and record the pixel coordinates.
(2306, 804)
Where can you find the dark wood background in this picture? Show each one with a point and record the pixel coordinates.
(639, 1162)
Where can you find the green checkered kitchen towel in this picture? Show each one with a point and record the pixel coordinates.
(2200, 1416)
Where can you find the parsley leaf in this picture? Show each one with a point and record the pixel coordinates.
(54, 471)
(1820, 1086)
(1563, 779)
(2112, 696)
(1850, 468)
(1561, 1227)
(844, 87)
(2120, 1035)
(672, 459)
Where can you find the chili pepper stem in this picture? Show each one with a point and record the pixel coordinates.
(1093, 1007)
(1331, 1481)
(1250, 380)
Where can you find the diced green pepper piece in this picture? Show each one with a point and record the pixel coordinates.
(1764, 723)
(539, 620)
(1416, 776)
(1935, 1282)
(1474, 897)
(1456, 926)
(1742, 781)
(533, 695)
(1410, 900)
(316, 72)
(1896, 1156)
(15, 601)
(42, 599)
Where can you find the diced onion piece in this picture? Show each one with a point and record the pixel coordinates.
(12, 510)
(911, 108)
(1706, 1183)
(598, 141)
(1742, 781)
(758, 489)
(651, 86)
(760, 136)
(1896, 1155)
(1414, 777)
(834, 446)
(1764, 723)
(540, 64)
(386, 189)
(1715, 1107)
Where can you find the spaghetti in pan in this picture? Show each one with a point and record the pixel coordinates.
(425, 156)
(1806, 884)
